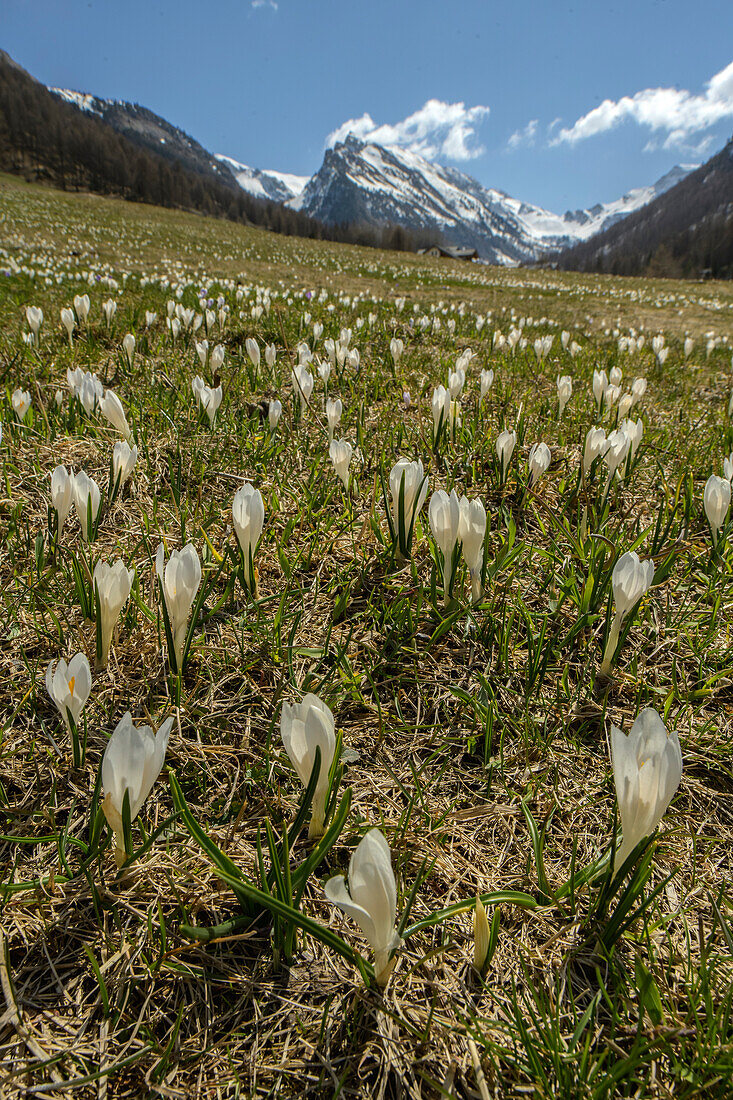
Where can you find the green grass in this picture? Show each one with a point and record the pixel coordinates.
(475, 738)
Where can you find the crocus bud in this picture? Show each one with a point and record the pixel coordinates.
(274, 412)
(124, 460)
(728, 467)
(248, 514)
(69, 687)
(304, 727)
(62, 495)
(340, 451)
(615, 376)
(505, 444)
(21, 402)
(202, 350)
(334, 409)
(113, 411)
(324, 372)
(132, 762)
(59, 399)
(396, 348)
(595, 447)
(538, 461)
(85, 490)
(481, 936)
(444, 513)
(112, 584)
(647, 768)
(472, 532)
(689, 345)
(716, 499)
(128, 346)
(638, 389)
(487, 381)
(370, 899)
(564, 391)
(180, 582)
(68, 320)
(270, 355)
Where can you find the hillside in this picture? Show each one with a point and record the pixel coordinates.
(686, 232)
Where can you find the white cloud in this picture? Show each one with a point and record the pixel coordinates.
(265, 4)
(525, 136)
(437, 129)
(673, 113)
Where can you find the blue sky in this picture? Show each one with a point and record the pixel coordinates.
(560, 104)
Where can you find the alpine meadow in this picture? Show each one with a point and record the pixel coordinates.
(367, 668)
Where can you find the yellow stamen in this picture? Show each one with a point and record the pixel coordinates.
(71, 685)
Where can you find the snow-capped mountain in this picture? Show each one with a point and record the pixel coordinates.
(363, 182)
(264, 183)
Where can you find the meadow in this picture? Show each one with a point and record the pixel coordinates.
(523, 727)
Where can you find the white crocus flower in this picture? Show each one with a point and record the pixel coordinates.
(564, 391)
(396, 348)
(441, 402)
(202, 350)
(410, 476)
(334, 410)
(728, 467)
(340, 451)
(62, 495)
(595, 446)
(615, 376)
(34, 317)
(128, 346)
(505, 444)
(471, 533)
(112, 410)
(180, 580)
(638, 389)
(270, 355)
(647, 769)
(538, 462)
(82, 305)
(456, 382)
(304, 727)
(248, 514)
(68, 320)
(210, 398)
(124, 460)
(86, 489)
(617, 449)
(631, 579)
(600, 385)
(69, 687)
(109, 308)
(302, 380)
(444, 513)
(216, 358)
(112, 584)
(274, 412)
(634, 430)
(689, 345)
(487, 381)
(324, 372)
(370, 899)
(253, 351)
(132, 762)
(21, 402)
(716, 499)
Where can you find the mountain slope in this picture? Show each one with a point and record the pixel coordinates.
(363, 182)
(145, 128)
(685, 231)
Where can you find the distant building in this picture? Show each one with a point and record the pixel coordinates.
(451, 252)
